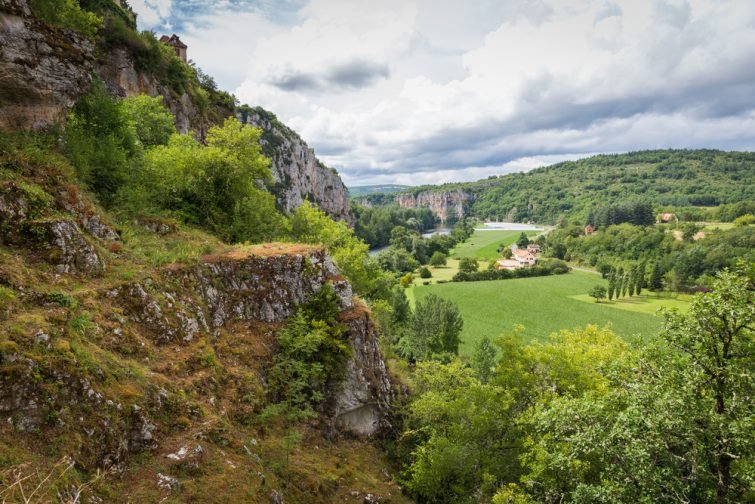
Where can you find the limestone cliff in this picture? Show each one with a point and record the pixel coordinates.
(42, 70)
(298, 174)
(444, 204)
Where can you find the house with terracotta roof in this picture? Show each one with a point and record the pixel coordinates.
(176, 44)
(533, 248)
(524, 257)
(589, 230)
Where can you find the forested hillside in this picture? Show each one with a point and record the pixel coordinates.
(668, 179)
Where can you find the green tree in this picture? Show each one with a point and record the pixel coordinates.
(435, 329)
(149, 118)
(468, 264)
(424, 272)
(717, 337)
(457, 444)
(400, 305)
(640, 277)
(656, 277)
(744, 220)
(309, 224)
(217, 185)
(611, 285)
(101, 144)
(406, 280)
(438, 259)
(522, 241)
(484, 359)
(598, 292)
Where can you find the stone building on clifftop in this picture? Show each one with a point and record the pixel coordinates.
(176, 44)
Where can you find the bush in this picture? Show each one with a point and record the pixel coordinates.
(424, 272)
(406, 280)
(744, 220)
(313, 354)
(67, 14)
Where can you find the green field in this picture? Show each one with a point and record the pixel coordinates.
(484, 244)
(544, 305)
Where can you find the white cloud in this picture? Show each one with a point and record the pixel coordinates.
(445, 90)
(152, 13)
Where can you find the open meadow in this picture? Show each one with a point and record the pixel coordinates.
(544, 305)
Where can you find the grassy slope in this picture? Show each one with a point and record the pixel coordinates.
(542, 305)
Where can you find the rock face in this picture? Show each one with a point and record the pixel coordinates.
(66, 248)
(266, 286)
(42, 71)
(298, 174)
(28, 219)
(444, 204)
(362, 403)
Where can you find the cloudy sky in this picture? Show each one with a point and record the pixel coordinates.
(431, 91)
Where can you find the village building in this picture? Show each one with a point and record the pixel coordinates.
(667, 217)
(508, 264)
(176, 44)
(533, 248)
(524, 257)
(589, 229)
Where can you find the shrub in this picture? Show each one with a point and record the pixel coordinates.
(744, 220)
(313, 353)
(67, 14)
(424, 272)
(406, 280)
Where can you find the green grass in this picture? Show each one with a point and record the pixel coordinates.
(543, 305)
(648, 302)
(723, 226)
(484, 244)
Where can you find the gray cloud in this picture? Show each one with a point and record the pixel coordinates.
(357, 74)
(354, 74)
(297, 81)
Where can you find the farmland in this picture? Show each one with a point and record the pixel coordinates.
(544, 305)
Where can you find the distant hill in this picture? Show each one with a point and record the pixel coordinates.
(668, 179)
(359, 191)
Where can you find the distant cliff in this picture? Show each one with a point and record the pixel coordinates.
(44, 70)
(451, 204)
(298, 174)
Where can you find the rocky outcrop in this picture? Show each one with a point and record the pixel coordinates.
(298, 174)
(444, 204)
(29, 218)
(65, 247)
(265, 285)
(362, 402)
(42, 70)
